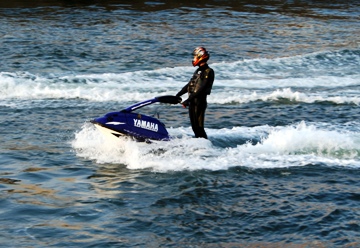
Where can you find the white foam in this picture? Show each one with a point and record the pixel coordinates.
(280, 147)
(113, 87)
(304, 139)
(256, 82)
(239, 81)
(246, 96)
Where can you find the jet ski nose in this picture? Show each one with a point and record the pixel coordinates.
(139, 126)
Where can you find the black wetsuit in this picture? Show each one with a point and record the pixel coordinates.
(198, 88)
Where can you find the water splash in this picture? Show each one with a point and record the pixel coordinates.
(278, 147)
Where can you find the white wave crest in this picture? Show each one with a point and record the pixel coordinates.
(279, 147)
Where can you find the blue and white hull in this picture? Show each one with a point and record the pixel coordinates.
(141, 127)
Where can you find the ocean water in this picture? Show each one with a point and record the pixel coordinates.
(282, 164)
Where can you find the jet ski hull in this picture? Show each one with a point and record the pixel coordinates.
(139, 126)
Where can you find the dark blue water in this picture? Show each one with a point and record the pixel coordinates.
(280, 168)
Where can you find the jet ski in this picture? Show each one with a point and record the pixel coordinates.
(138, 126)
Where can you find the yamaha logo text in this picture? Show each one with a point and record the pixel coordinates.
(146, 125)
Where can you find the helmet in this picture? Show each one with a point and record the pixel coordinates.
(200, 55)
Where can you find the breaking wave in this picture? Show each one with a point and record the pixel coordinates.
(258, 147)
